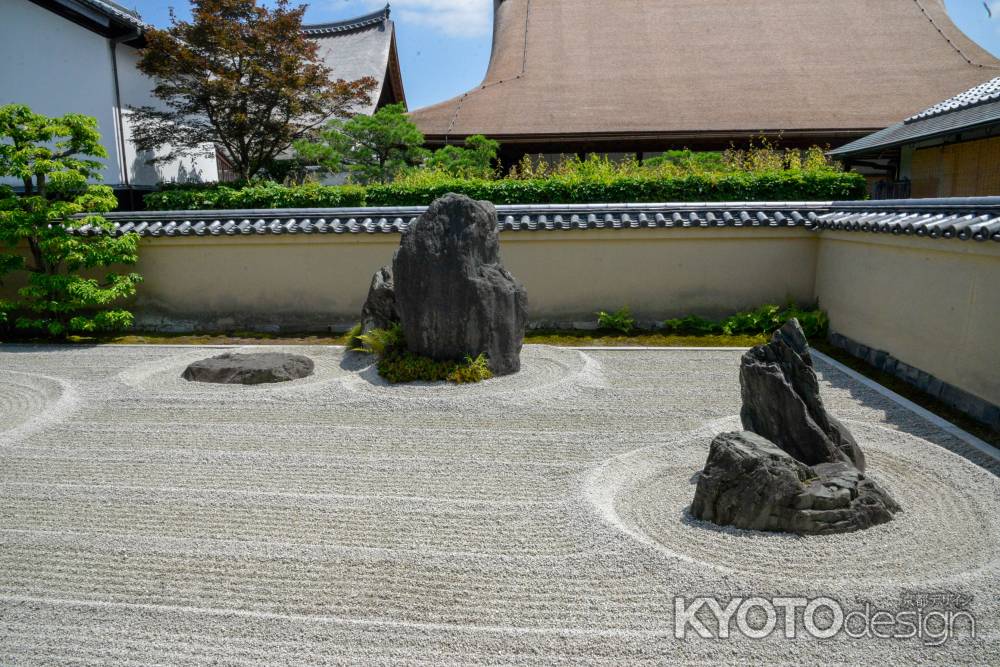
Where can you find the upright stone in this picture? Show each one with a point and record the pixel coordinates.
(453, 295)
(781, 402)
(379, 311)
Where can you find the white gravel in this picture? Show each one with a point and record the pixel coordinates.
(532, 519)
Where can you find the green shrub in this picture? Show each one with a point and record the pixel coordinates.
(256, 195)
(397, 364)
(353, 337)
(423, 187)
(55, 158)
(620, 320)
(762, 320)
(381, 342)
(405, 366)
(772, 186)
(471, 370)
(692, 324)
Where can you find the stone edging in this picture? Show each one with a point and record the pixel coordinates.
(979, 409)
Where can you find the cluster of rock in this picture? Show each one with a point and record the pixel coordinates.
(449, 290)
(260, 368)
(795, 468)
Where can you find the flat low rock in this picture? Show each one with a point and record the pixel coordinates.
(260, 368)
(751, 483)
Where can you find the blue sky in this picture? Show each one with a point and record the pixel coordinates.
(445, 44)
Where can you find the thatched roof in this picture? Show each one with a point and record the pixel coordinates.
(360, 47)
(675, 69)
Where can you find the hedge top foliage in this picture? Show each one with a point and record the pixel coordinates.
(789, 185)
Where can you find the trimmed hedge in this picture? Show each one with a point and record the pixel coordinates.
(779, 186)
(263, 195)
(776, 186)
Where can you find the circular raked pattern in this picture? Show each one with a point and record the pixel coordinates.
(25, 398)
(949, 526)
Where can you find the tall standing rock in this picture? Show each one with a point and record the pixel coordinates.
(453, 295)
(781, 402)
(795, 469)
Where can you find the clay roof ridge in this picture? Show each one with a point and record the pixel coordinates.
(346, 25)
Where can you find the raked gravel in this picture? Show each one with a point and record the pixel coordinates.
(533, 519)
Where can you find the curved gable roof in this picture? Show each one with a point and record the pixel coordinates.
(360, 47)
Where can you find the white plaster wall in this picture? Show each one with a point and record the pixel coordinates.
(56, 67)
(931, 303)
(137, 90)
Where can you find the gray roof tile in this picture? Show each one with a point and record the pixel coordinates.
(986, 92)
(959, 218)
(976, 107)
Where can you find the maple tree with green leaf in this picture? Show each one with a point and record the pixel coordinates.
(39, 228)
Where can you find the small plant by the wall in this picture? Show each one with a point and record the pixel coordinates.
(620, 320)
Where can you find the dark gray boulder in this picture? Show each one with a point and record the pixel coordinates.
(379, 311)
(453, 295)
(749, 482)
(781, 402)
(261, 368)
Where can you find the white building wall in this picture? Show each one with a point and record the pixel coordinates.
(56, 67)
(137, 90)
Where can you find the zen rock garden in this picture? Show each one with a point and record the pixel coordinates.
(448, 518)
(795, 468)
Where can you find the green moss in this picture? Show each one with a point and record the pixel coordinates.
(404, 366)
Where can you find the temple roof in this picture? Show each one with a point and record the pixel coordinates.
(360, 47)
(104, 17)
(975, 108)
(691, 68)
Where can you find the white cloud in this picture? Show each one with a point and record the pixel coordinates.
(456, 18)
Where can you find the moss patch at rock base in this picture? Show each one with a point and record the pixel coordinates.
(405, 366)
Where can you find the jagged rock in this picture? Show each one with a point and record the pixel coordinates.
(262, 368)
(379, 311)
(453, 295)
(749, 482)
(781, 402)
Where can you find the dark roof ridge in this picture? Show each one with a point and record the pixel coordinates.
(958, 218)
(347, 25)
